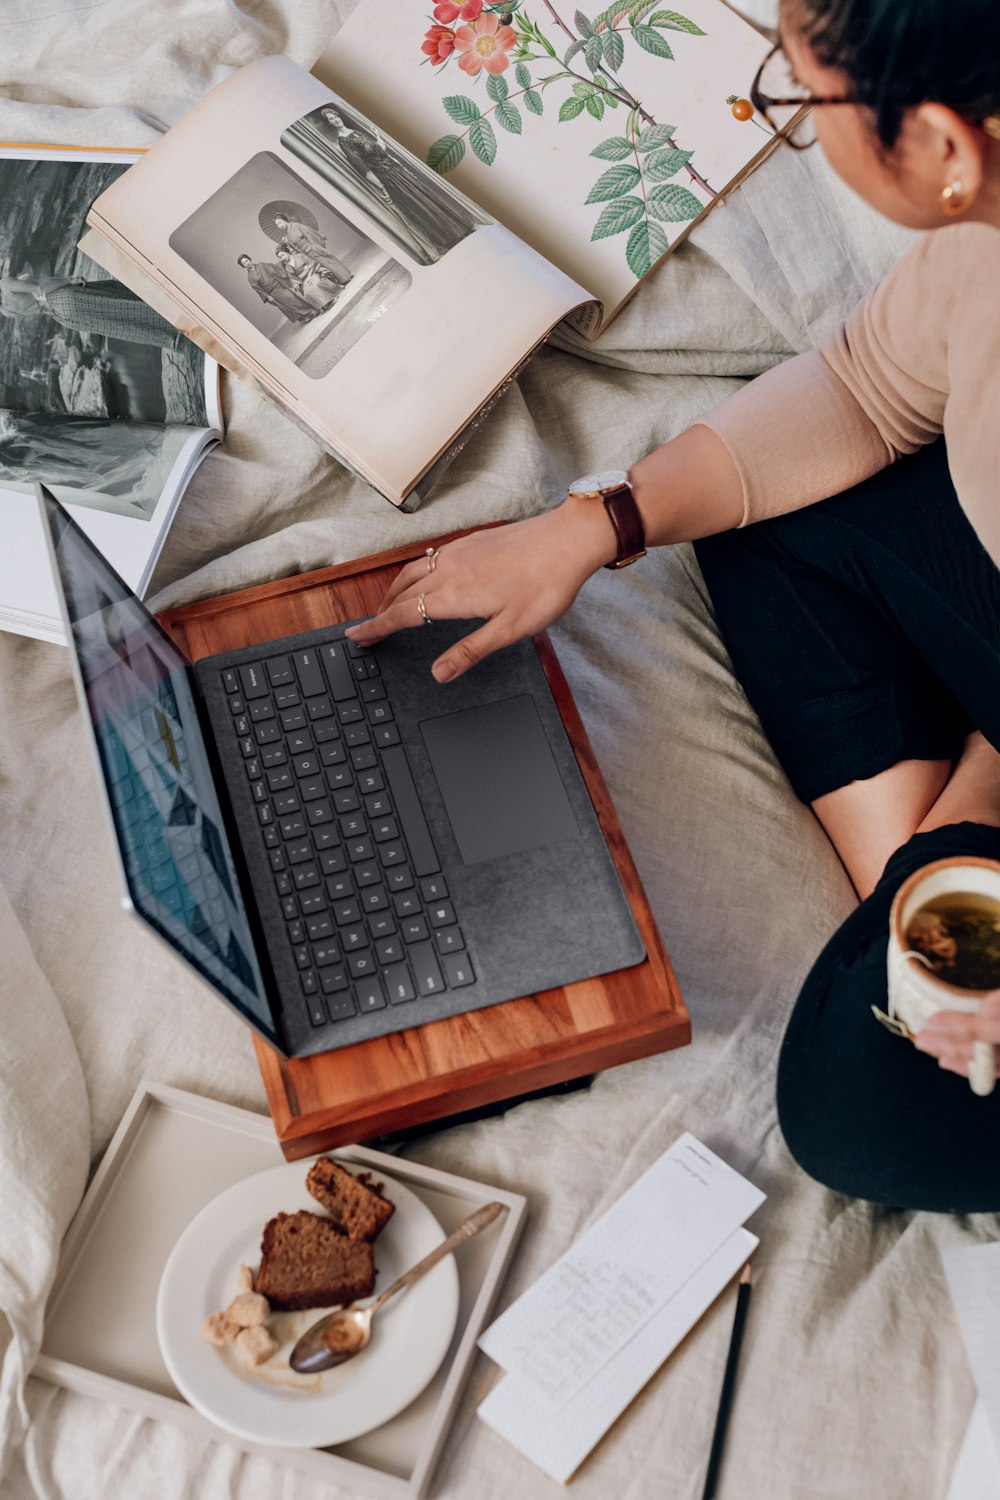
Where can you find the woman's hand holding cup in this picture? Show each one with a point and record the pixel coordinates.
(951, 1036)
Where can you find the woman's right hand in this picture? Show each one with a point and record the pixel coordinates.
(518, 578)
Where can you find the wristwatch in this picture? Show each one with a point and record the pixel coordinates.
(615, 494)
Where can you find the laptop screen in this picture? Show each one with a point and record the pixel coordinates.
(175, 854)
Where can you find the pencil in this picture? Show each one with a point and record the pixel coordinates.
(728, 1381)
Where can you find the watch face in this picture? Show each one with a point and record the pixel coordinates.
(592, 484)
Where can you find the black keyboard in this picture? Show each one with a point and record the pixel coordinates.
(367, 913)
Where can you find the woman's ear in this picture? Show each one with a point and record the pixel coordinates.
(953, 150)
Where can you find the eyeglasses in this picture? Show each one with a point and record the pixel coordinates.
(775, 87)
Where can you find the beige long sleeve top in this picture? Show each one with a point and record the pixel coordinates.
(920, 355)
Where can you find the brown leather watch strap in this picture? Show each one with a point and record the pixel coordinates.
(625, 518)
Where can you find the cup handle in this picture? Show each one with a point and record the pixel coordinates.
(983, 1068)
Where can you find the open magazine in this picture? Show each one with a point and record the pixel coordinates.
(317, 242)
(100, 397)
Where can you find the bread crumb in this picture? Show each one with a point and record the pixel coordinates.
(248, 1310)
(257, 1344)
(244, 1279)
(219, 1329)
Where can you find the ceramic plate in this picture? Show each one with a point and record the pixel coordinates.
(271, 1404)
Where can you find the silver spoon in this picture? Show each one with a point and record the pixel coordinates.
(343, 1333)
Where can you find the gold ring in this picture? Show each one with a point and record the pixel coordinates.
(423, 609)
(432, 558)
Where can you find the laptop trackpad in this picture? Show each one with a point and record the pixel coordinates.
(500, 784)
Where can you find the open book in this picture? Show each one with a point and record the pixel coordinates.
(100, 398)
(380, 259)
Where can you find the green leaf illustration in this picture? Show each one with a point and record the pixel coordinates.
(646, 244)
(446, 153)
(497, 87)
(673, 22)
(509, 117)
(615, 148)
(462, 110)
(614, 50)
(613, 183)
(618, 216)
(522, 75)
(583, 90)
(673, 203)
(594, 104)
(571, 52)
(594, 53)
(664, 164)
(483, 142)
(570, 108)
(651, 41)
(653, 136)
(533, 101)
(638, 11)
(583, 26)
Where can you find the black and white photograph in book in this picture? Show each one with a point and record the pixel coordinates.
(304, 276)
(93, 383)
(419, 212)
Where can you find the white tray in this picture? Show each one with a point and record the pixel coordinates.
(174, 1152)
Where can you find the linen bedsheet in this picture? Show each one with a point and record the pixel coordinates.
(853, 1382)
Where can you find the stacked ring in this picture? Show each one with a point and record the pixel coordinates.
(423, 609)
(432, 558)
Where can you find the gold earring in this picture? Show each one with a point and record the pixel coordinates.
(954, 199)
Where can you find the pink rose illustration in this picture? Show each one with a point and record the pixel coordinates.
(484, 44)
(439, 43)
(451, 10)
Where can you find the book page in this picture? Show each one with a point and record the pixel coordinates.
(596, 135)
(365, 295)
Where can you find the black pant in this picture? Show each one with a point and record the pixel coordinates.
(866, 630)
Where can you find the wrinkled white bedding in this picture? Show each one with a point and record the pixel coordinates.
(853, 1382)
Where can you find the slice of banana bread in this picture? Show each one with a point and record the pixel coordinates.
(306, 1262)
(359, 1211)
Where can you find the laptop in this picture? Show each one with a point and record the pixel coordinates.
(338, 845)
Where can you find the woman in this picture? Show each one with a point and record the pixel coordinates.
(429, 215)
(308, 279)
(309, 242)
(866, 627)
(102, 307)
(273, 285)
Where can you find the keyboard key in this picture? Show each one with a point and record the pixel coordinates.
(317, 1010)
(267, 732)
(320, 708)
(346, 912)
(237, 704)
(414, 929)
(389, 950)
(433, 888)
(426, 970)
(337, 777)
(372, 690)
(258, 791)
(286, 697)
(331, 861)
(292, 828)
(335, 979)
(340, 887)
(230, 681)
(306, 765)
(310, 790)
(253, 767)
(442, 914)
(277, 858)
(326, 836)
(333, 754)
(303, 957)
(289, 908)
(338, 671)
(324, 730)
(458, 970)
(367, 874)
(371, 781)
(319, 927)
(392, 854)
(382, 924)
(353, 938)
(299, 741)
(305, 877)
(242, 724)
(253, 682)
(274, 755)
(262, 710)
(409, 811)
(358, 849)
(279, 671)
(325, 954)
(385, 828)
(248, 745)
(353, 825)
(399, 984)
(286, 802)
(360, 669)
(265, 814)
(310, 675)
(356, 734)
(378, 805)
(407, 903)
(398, 878)
(347, 800)
(360, 964)
(299, 851)
(449, 940)
(385, 734)
(279, 778)
(379, 713)
(313, 901)
(363, 758)
(368, 993)
(350, 713)
(375, 899)
(272, 838)
(293, 718)
(296, 932)
(283, 883)
(340, 1007)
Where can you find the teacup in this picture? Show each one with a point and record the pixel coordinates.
(915, 992)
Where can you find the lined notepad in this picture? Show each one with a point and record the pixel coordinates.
(973, 1274)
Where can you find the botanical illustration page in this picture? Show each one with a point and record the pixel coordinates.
(596, 135)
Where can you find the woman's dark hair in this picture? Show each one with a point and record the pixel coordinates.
(899, 53)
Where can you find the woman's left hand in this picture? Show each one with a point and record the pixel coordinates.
(949, 1035)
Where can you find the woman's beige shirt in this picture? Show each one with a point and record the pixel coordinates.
(920, 355)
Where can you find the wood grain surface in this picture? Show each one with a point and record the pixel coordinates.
(429, 1072)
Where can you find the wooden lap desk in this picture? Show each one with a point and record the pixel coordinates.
(429, 1072)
